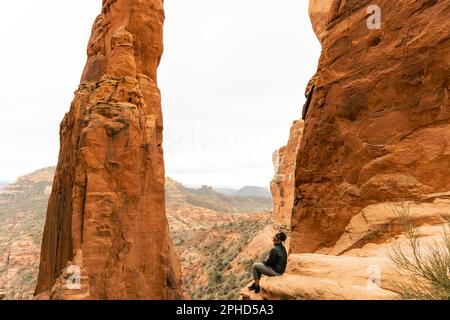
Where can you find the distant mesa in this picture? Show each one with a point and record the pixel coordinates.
(247, 199)
(251, 191)
(225, 191)
(247, 191)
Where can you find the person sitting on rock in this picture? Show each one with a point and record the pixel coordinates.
(274, 266)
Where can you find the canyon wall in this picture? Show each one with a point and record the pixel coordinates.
(378, 123)
(106, 212)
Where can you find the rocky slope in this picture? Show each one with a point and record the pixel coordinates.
(214, 236)
(22, 208)
(377, 126)
(216, 255)
(106, 210)
(234, 238)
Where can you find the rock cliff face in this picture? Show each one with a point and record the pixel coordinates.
(378, 123)
(283, 182)
(106, 210)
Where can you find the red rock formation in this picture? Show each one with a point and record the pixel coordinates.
(283, 182)
(378, 124)
(107, 204)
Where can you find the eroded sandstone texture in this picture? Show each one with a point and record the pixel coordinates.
(378, 126)
(106, 210)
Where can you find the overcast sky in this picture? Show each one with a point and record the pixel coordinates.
(232, 79)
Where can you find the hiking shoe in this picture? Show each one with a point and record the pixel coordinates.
(252, 287)
(257, 289)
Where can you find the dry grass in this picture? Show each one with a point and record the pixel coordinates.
(427, 265)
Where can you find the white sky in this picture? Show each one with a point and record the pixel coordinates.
(232, 78)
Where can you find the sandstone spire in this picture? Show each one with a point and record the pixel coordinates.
(106, 213)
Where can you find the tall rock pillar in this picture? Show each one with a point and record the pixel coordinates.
(106, 213)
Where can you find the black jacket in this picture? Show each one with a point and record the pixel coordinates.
(277, 259)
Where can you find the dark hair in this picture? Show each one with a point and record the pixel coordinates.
(281, 236)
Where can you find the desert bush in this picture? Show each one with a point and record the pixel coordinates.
(214, 277)
(230, 296)
(427, 266)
